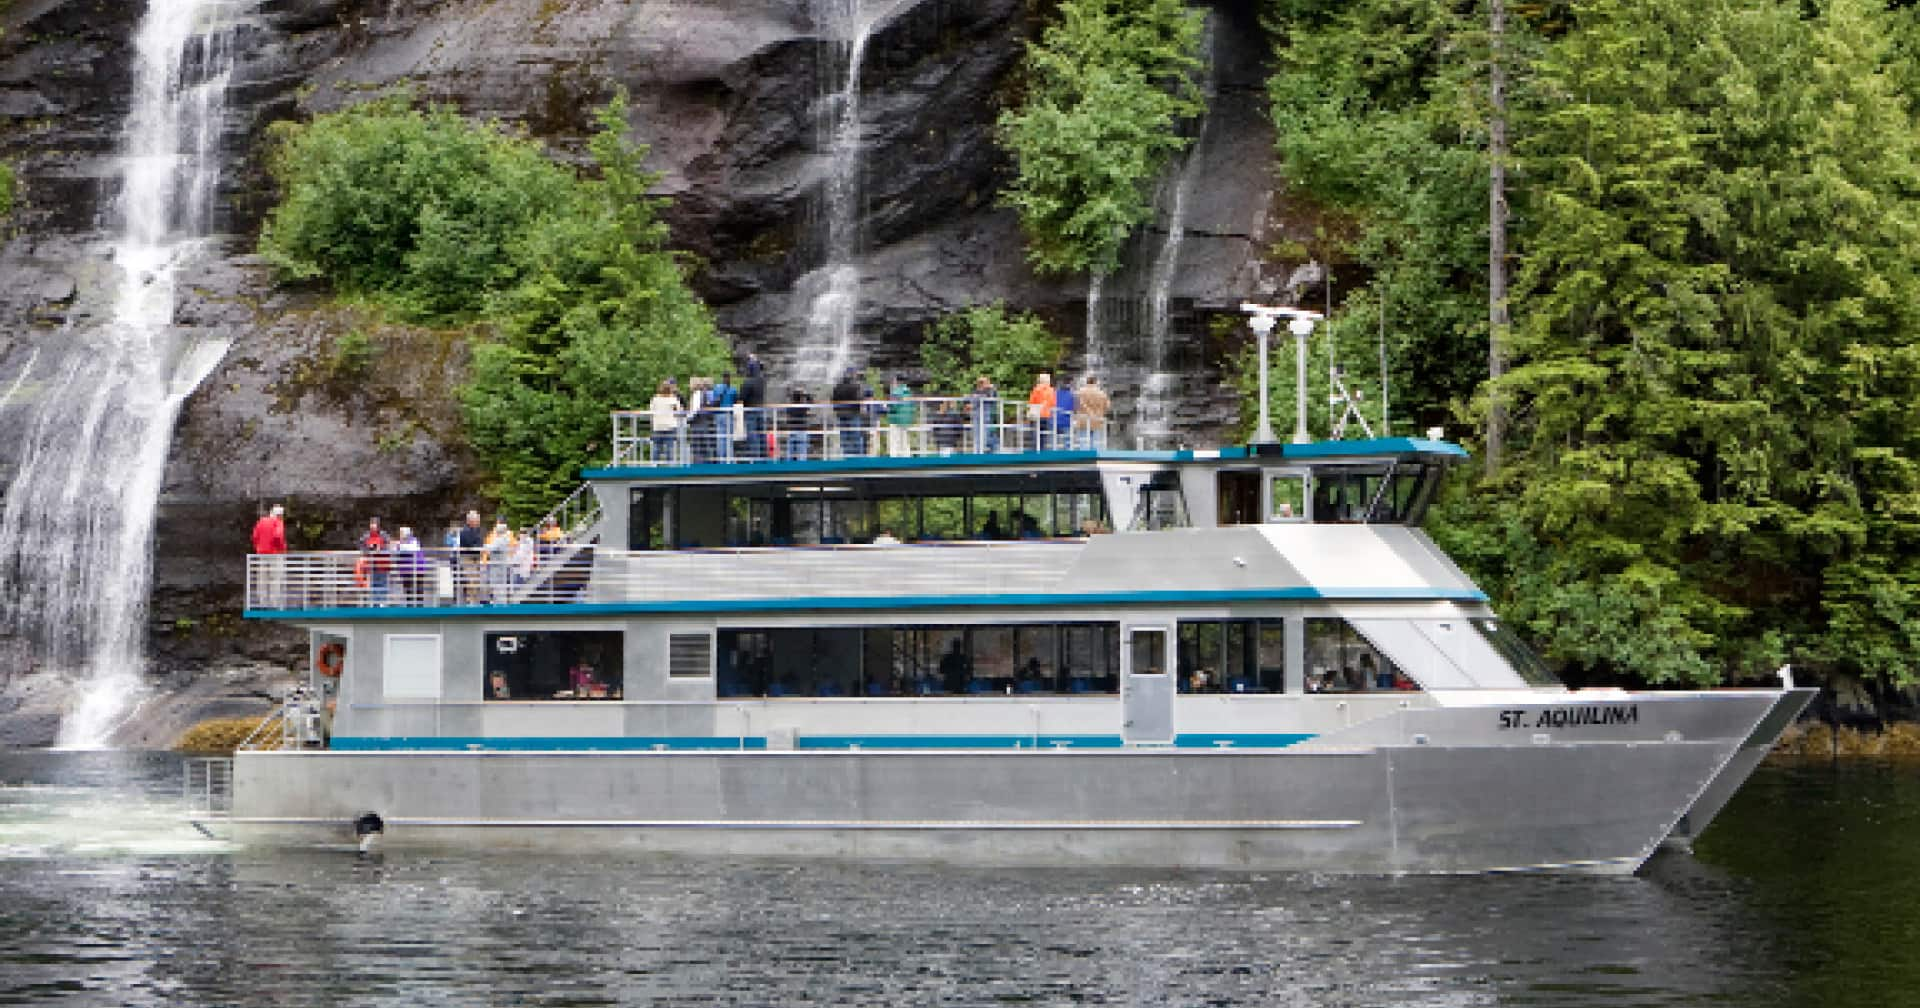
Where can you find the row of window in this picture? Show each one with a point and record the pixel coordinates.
(1211, 656)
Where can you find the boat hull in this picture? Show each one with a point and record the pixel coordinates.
(1410, 805)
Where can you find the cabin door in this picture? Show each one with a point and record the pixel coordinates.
(1146, 691)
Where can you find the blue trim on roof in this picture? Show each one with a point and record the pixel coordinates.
(1374, 446)
(878, 463)
(756, 743)
(875, 603)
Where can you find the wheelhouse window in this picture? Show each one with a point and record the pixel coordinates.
(1161, 506)
(1232, 656)
(1341, 660)
(1286, 497)
(1394, 493)
(929, 661)
(554, 665)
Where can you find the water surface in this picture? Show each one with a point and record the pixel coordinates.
(1804, 894)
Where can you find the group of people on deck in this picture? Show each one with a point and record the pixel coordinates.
(472, 565)
(720, 421)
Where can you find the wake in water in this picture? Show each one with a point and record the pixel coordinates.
(76, 532)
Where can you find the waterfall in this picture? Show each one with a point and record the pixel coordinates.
(1153, 420)
(832, 291)
(1096, 338)
(76, 532)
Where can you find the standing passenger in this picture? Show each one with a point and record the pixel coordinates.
(473, 541)
(900, 416)
(799, 422)
(724, 398)
(665, 411)
(270, 541)
(411, 564)
(1063, 416)
(1040, 408)
(753, 402)
(849, 414)
(985, 402)
(1092, 404)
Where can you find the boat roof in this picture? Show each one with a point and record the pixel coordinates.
(1316, 452)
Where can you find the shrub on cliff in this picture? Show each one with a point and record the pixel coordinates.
(985, 339)
(1107, 85)
(581, 307)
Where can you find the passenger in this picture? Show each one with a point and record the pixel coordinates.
(700, 419)
(499, 557)
(948, 426)
(523, 557)
(955, 670)
(985, 402)
(885, 538)
(1092, 404)
(848, 397)
(270, 541)
(664, 413)
(753, 403)
(1063, 417)
(1027, 527)
(991, 530)
(1201, 681)
(724, 398)
(1040, 409)
(376, 562)
(900, 418)
(799, 423)
(412, 567)
(473, 541)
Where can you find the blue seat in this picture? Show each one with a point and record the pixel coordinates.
(978, 686)
(828, 689)
(778, 689)
(1079, 684)
(1027, 686)
(833, 540)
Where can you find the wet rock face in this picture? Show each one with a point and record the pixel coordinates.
(728, 94)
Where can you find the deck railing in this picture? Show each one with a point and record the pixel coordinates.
(913, 427)
(439, 577)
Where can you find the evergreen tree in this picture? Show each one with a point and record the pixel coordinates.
(1714, 401)
(1107, 86)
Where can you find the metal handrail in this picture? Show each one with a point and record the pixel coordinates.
(908, 427)
(586, 573)
(255, 740)
(577, 516)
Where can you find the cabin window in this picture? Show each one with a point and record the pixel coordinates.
(1238, 496)
(689, 656)
(1161, 506)
(1287, 497)
(1516, 652)
(1341, 660)
(647, 519)
(929, 661)
(1232, 656)
(554, 665)
(412, 666)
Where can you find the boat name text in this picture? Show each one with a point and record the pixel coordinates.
(1570, 717)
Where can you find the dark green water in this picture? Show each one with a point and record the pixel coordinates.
(1805, 893)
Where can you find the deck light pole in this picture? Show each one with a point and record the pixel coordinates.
(1300, 324)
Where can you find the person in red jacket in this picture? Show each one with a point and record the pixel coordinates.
(270, 541)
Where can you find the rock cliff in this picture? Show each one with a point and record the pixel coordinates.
(728, 94)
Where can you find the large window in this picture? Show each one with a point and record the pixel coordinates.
(1516, 652)
(1232, 656)
(1018, 659)
(1378, 493)
(554, 665)
(1341, 660)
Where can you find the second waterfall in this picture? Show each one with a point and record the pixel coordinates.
(832, 290)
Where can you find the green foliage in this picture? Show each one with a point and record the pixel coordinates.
(420, 209)
(985, 339)
(1719, 349)
(602, 312)
(447, 221)
(6, 190)
(1107, 87)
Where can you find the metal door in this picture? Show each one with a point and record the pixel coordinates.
(1146, 692)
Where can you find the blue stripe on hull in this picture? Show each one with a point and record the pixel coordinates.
(871, 603)
(1200, 740)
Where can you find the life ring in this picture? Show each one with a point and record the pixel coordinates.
(361, 567)
(328, 659)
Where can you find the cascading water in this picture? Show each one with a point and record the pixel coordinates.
(832, 291)
(1153, 416)
(76, 532)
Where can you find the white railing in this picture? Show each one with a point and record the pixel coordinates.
(589, 574)
(576, 517)
(914, 427)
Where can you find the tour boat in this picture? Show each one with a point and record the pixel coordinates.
(754, 634)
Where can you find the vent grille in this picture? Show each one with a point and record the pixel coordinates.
(690, 656)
